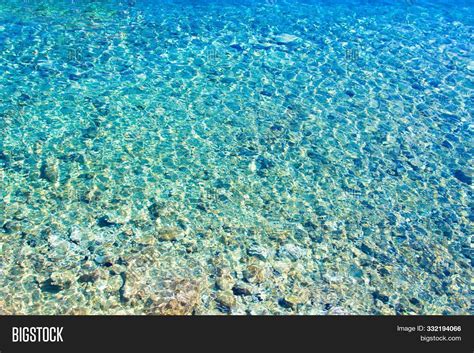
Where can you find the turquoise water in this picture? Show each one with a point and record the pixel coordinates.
(242, 157)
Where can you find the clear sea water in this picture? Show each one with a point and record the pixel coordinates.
(236, 157)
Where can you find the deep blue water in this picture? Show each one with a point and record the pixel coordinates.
(242, 157)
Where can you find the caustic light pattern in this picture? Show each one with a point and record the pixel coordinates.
(236, 157)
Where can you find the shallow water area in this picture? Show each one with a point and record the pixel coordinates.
(236, 157)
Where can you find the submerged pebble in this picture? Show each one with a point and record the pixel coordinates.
(286, 38)
(226, 299)
(50, 170)
(168, 234)
(461, 176)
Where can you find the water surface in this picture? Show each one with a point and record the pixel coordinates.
(242, 157)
